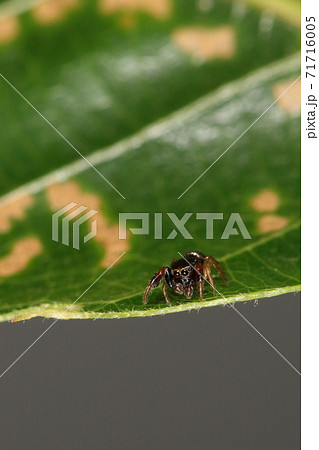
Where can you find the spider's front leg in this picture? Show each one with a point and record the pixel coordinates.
(164, 288)
(208, 262)
(155, 281)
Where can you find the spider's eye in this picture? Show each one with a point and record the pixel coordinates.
(176, 273)
(184, 272)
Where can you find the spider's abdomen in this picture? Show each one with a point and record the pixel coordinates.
(190, 258)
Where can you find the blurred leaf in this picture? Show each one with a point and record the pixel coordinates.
(154, 97)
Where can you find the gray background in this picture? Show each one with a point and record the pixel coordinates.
(199, 380)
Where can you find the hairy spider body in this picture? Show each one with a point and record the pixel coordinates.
(186, 273)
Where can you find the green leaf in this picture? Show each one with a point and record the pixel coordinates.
(151, 116)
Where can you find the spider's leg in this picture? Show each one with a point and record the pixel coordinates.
(210, 261)
(208, 275)
(200, 282)
(164, 289)
(155, 281)
(200, 289)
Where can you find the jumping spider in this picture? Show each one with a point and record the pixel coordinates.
(183, 274)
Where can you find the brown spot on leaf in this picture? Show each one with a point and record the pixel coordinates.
(272, 223)
(21, 254)
(160, 9)
(59, 195)
(291, 100)
(265, 201)
(14, 210)
(9, 29)
(206, 43)
(53, 10)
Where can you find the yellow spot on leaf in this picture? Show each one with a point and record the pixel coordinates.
(9, 29)
(59, 195)
(160, 9)
(16, 210)
(206, 43)
(265, 201)
(272, 223)
(291, 100)
(21, 254)
(53, 10)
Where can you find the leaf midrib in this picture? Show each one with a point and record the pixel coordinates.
(156, 129)
(18, 7)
